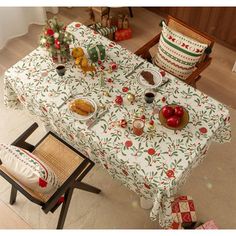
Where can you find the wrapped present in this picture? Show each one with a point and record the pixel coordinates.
(183, 210)
(208, 225)
(123, 34)
(176, 225)
(96, 52)
(105, 30)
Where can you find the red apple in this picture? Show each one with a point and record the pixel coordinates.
(173, 121)
(179, 111)
(167, 111)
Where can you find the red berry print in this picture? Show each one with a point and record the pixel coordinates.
(143, 117)
(128, 143)
(125, 89)
(163, 73)
(151, 151)
(99, 62)
(170, 173)
(109, 80)
(151, 122)
(203, 130)
(77, 25)
(163, 99)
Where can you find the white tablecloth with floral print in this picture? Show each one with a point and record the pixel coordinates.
(152, 165)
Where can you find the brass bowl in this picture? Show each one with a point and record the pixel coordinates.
(184, 119)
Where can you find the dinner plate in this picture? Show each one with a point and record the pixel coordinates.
(183, 123)
(157, 77)
(80, 117)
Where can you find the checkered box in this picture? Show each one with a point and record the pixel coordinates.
(183, 211)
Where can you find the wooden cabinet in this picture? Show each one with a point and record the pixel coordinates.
(219, 22)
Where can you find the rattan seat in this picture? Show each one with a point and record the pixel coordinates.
(69, 165)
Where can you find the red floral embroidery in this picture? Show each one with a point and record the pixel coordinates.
(170, 173)
(42, 183)
(109, 80)
(163, 99)
(203, 130)
(171, 38)
(77, 25)
(151, 151)
(128, 143)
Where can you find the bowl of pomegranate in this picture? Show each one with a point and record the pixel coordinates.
(174, 117)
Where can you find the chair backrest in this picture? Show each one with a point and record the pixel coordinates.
(187, 30)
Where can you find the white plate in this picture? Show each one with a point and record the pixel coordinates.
(157, 77)
(80, 117)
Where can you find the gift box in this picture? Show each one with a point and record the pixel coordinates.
(123, 34)
(208, 225)
(105, 31)
(96, 52)
(183, 212)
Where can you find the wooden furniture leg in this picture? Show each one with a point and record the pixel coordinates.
(87, 187)
(65, 207)
(13, 195)
(130, 12)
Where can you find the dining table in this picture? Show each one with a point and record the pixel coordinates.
(153, 165)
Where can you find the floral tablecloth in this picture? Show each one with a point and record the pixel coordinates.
(152, 165)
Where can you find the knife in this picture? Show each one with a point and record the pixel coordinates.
(135, 68)
(94, 121)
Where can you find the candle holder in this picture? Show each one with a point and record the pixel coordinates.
(138, 126)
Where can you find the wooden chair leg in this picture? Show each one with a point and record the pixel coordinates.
(130, 12)
(13, 195)
(87, 187)
(65, 207)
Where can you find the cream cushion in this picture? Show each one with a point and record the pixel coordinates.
(28, 169)
(177, 53)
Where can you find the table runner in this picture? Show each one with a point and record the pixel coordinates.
(153, 165)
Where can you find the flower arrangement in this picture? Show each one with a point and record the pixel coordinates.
(56, 40)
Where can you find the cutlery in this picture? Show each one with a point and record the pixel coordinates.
(133, 71)
(60, 106)
(94, 121)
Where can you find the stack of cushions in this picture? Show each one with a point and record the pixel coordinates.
(177, 53)
(29, 170)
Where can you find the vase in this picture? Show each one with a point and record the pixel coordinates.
(57, 58)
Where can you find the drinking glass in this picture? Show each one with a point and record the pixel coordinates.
(61, 69)
(149, 96)
(138, 126)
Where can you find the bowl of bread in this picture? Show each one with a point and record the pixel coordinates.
(83, 108)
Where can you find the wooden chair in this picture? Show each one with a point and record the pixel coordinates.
(185, 29)
(69, 165)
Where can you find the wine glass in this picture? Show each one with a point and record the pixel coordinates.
(149, 96)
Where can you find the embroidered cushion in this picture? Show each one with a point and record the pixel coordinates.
(29, 170)
(177, 53)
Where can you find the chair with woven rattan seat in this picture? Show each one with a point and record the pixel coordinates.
(188, 31)
(68, 164)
